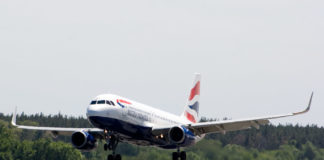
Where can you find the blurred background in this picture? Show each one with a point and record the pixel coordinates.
(256, 58)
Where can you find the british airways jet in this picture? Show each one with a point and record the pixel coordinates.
(118, 119)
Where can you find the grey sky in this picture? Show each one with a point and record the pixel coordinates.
(256, 57)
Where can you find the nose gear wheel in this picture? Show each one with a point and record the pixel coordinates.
(112, 142)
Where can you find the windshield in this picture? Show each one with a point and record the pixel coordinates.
(101, 102)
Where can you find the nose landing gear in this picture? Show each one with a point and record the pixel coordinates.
(112, 142)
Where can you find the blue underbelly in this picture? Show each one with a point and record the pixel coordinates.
(126, 128)
(136, 132)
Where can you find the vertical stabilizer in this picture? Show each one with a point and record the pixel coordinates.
(191, 111)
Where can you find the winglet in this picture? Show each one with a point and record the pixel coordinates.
(308, 107)
(13, 120)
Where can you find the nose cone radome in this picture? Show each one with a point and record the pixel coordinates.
(95, 110)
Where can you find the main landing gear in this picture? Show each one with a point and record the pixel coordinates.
(176, 155)
(112, 142)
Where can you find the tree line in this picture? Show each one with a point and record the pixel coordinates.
(269, 142)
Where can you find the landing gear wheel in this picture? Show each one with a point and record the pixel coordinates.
(183, 155)
(175, 156)
(112, 142)
(106, 147)
(110, 157)
(118, 157)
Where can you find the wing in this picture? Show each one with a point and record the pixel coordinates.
(54, 130)
(233, 125)
(229, 125)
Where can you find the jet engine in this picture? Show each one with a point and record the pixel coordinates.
(83, 140)
(177, 135)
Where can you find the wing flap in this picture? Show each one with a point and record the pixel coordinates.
(223, 126)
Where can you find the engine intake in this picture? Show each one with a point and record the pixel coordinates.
(176, 134)
(83, 140)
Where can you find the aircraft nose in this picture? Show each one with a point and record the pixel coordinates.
(94, 110)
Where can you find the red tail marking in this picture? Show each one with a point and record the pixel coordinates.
(195, 91)
(190, 117)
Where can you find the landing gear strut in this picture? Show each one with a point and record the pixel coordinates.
(112, 142)
(176, 155)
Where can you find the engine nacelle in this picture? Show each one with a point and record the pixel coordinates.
(83, 140)
(177, 135)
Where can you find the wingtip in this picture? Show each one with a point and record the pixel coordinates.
(14, 115)
(310, 102)
(308, 107)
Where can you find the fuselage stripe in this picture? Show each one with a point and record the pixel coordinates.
(120, 101)
(123, 101)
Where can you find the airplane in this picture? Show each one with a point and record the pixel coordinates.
(118, 119)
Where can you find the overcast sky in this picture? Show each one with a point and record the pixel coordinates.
(256, 57)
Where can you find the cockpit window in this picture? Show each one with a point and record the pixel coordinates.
(101, 102)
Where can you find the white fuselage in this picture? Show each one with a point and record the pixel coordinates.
(128, 117)
(134, 113)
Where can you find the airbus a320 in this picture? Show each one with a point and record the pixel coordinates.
(117, 119)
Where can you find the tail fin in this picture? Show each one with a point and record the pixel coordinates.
(191, 110)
